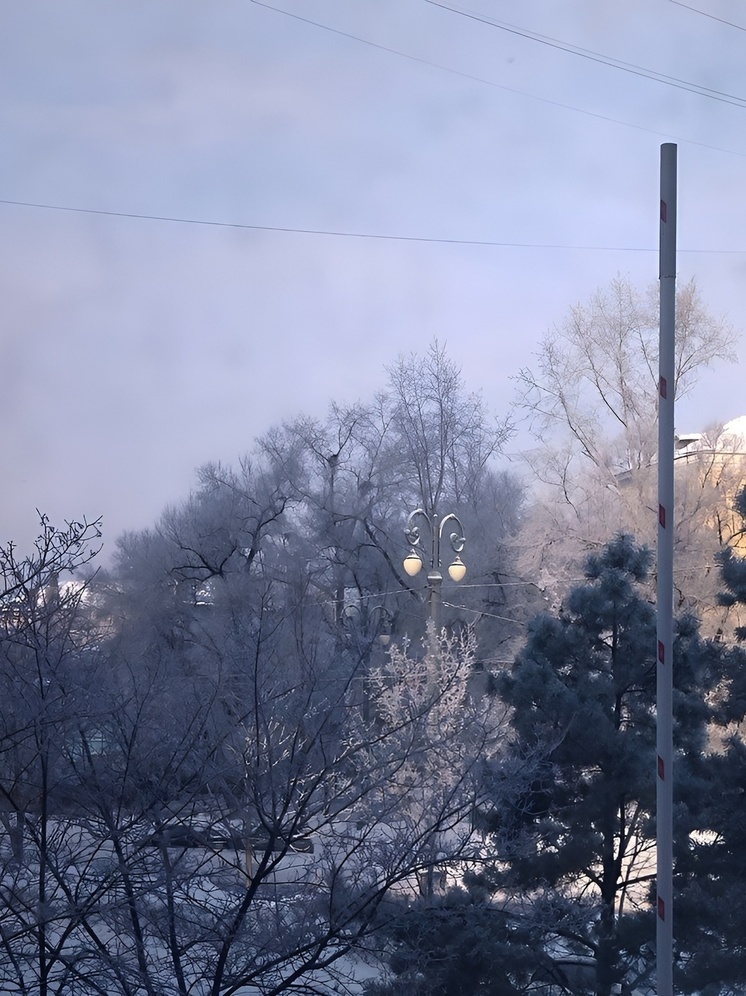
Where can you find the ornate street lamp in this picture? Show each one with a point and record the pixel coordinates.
(375, 622)
(413, 562)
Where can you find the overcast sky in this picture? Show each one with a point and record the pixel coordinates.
(133, 350)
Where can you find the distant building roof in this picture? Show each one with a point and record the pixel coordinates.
(730, 439)
(733, 435)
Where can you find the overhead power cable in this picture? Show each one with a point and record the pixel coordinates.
(334, 233)
(491, 83)
(606, 60)
(712, 17)
(484, 614)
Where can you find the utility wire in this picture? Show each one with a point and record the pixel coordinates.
(481, 613)
(712, 17)
(173, 219)
(606, 60)
(491, 83)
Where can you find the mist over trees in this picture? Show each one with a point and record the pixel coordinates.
(218, 778)
(243, 760)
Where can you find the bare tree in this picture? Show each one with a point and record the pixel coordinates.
(198, 857)
(445, 435)
(426, 441)
(597, 376)
(44, 643)
(592, 403)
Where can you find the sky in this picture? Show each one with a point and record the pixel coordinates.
(216, 216)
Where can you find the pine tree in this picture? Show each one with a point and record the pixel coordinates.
(711, 878)
(565, 895)
(710, 883)
(580, 842)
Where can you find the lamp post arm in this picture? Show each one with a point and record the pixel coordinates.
(456, 539)
(437, 528)
(412, 532)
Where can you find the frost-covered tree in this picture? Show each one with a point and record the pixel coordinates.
(49, 669)
(425, 441)
(591, 401)
(596, 378)
(268, 859)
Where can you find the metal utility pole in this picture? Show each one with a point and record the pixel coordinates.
(664, 684)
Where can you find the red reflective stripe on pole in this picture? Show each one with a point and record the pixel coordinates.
(661, 652)
(662, 386)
